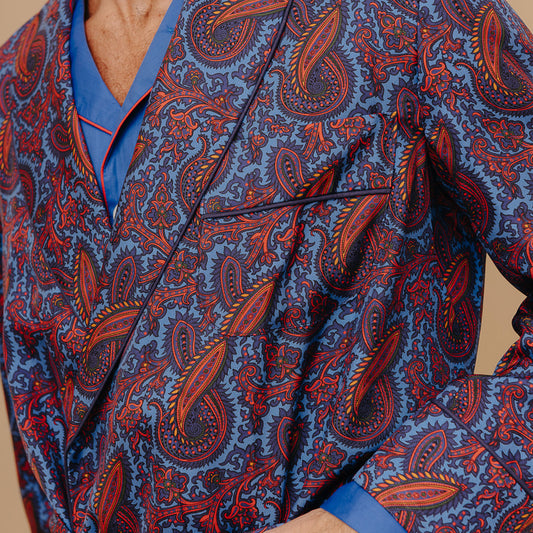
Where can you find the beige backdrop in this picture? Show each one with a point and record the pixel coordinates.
(501, 301)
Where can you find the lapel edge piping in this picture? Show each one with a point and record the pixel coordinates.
(155, 283)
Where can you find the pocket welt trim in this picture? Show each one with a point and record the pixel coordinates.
(296, 201)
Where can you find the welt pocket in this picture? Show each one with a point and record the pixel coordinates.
(295, 202)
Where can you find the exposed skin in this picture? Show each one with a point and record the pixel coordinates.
(317, 521)
(119, 33)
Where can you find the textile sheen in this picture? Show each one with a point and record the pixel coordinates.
(289, 298)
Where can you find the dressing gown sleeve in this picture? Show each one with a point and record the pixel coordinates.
(465, 462)
(35, 503)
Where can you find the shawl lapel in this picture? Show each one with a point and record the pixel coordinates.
(211, 71)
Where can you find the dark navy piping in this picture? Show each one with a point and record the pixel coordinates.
(485, 444)
(296, 201)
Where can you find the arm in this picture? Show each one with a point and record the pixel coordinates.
(36, 505)
(465, 462)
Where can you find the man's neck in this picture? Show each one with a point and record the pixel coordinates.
(119, 33)
(134, 11)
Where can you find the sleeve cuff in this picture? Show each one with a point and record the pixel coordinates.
(357, 509)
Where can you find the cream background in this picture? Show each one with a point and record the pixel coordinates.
(501, 301)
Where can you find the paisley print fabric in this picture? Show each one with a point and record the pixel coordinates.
(289, 298)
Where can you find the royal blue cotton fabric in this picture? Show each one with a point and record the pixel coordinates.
(355, 507)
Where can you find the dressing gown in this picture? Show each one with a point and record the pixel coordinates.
(286, 308)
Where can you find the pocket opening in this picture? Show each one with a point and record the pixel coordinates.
(296, 201)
